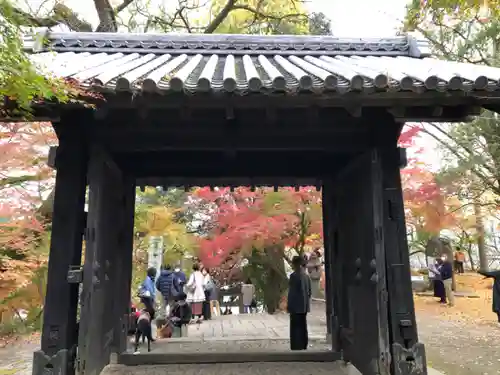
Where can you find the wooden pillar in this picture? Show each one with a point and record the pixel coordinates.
(333, 264)
(59, 332)
(99, 315)
(327, 242)
(124, 265)
(406, 350)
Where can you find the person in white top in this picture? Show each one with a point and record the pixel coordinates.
(195, 291)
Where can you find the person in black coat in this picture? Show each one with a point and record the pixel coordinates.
(495, 275)
(299, 297)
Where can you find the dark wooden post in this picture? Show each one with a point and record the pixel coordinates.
(59, 332)
(124, 265)
(326, 206)
(99, 315)
(332, 264)
(406, 350)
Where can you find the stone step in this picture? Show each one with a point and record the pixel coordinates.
(225, 346)
(254, 368)
(249, 356)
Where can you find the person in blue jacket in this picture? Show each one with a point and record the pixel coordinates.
(147, 292)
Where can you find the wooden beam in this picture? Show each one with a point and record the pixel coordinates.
(375, 99)
(330, 120)
(192, 142)
(231, 182)
(434, 113)
(246, 165)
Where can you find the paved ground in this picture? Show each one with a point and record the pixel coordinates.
(454, 347)
(255, 326)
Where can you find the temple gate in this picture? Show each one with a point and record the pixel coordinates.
(234, 110)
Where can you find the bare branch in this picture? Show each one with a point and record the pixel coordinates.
(268, 16)
(220, 17)
(106, 14)
(184, 20)
(123, 5)
(61, 15)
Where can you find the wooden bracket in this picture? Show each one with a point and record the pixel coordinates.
(403, 158)
(52, 158)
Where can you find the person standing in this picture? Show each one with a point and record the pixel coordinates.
(437, 283)
(147, 292)
(495, 275)
(208, 288)
(180, 277)
(248, 295)
(299, 296)
(195, 292)
(165, 285)
(446, 272)
(459, 260)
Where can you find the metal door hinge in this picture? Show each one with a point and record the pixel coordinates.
(75, 275)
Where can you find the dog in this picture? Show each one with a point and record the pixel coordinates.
(143, 330)
(164, 328)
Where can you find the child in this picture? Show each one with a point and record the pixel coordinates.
(180, 316)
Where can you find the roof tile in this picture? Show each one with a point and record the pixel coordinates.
(241, 64)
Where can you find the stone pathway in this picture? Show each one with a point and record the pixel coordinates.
(453, 347)
(254, 326)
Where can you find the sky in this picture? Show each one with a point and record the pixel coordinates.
(362, 18)
(355, 18)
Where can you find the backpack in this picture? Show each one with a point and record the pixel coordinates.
(182, 312)
(209, 286)
(175, 287)
(143, 293)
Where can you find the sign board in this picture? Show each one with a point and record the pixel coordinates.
(155, 253)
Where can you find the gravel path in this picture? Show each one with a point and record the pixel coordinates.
(459, 348)
(16, 360)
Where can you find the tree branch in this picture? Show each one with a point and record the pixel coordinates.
(107, 19)
(62, 14)
(184, 20)
(220, 17)
(261, 15)
(123, 5)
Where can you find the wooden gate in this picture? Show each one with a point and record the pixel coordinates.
(360, 264)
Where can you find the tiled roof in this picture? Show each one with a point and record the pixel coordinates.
(243, 64)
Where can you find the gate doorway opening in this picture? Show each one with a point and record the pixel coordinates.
(234, 110)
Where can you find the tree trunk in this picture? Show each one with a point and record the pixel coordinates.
(437, 247)
(481, 246)
(276, 281)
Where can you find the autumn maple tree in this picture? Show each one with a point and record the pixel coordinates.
(25, 180)
(259, 219)
(261, 229)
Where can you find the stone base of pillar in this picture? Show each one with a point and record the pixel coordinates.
(61, 363)
(328, 338)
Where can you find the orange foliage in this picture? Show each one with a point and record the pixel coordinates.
(245, 219)
(428, 206)
(25, 180)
